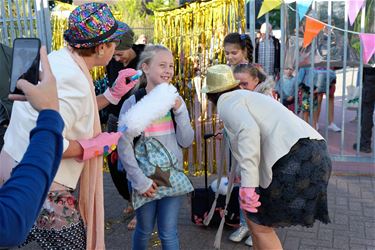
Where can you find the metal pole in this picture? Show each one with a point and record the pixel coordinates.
(282, 47)
(252, 24)
(311, 75)
(343, 116)
(296, 56)
(329, 30)
(360, 72)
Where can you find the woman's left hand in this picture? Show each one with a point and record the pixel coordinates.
(249, 199)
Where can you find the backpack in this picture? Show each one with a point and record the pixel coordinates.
(119, 176)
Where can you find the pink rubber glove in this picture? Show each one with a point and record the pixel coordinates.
(249, 199)
(120, 88)
(103, 143)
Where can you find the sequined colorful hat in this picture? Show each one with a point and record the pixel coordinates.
(92, 24)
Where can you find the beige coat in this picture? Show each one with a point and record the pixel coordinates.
(260, 131)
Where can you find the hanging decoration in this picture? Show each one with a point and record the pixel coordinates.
(195, 33)
(368, 42)
(312, 29)
(269, 5)
(302, 7)
(354, 6)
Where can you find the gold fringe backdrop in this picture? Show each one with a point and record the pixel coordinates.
(195, 35)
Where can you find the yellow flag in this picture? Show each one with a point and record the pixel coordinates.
(268, 5)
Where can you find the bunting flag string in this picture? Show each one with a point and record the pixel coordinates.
(268, 5)
(368, 42)
(367, 39)
(302, 7)
(354, 6)
(312, 29)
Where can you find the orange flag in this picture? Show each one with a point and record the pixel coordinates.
(312, 29)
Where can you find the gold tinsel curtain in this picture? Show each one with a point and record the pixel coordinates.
(195, 35)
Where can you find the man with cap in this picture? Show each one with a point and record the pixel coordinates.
(64, 221)
(284, 163)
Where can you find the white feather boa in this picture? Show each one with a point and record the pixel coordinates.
(151, 107)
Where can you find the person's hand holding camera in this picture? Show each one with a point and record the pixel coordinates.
(43, 95)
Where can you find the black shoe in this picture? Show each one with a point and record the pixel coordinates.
(362, 148)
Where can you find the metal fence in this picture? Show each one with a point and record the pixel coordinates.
(340, 148)
(25, 18)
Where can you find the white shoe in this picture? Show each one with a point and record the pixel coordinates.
(333, 127)
(239, 234)
(249, 241)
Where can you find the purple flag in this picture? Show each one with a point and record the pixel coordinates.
(368, 42)
(354, 6)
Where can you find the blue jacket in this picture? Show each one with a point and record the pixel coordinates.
(23, 195)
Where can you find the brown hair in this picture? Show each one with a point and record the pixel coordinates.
(86, 52)
(255, 70)
(214, 97)
(243, 41)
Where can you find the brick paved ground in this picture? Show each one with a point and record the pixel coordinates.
(351, 206)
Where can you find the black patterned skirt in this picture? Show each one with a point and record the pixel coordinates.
(297, 194)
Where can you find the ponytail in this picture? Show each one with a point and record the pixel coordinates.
(146, 56)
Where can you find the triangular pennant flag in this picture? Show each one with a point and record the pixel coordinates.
(354, 6)
(268, 5)
(368, 42)
(289, 1)
(312, 28)
(302, 7)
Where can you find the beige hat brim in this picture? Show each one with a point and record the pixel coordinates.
(205, 90)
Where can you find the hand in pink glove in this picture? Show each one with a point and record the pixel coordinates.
(120, 88)
(103, 143)
(249, 199)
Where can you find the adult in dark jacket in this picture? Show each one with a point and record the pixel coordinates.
(126, 56)
(5, 103)
(267, 50)
(23, 195)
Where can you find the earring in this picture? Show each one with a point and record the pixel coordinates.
(101, 53)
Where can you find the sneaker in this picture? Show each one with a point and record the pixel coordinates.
(249, 242)
(362, 149)
(333, 127)
(239, 234)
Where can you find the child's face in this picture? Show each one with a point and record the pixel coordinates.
(160, 69)
(246, 81)
(288, 72)
(234, 54)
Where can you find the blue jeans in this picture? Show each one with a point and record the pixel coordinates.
(165, 211)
